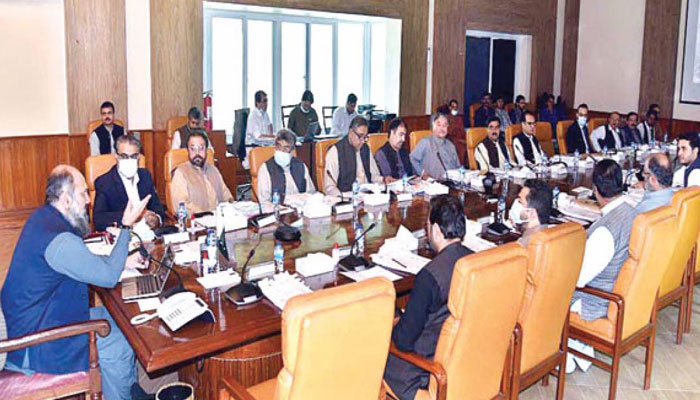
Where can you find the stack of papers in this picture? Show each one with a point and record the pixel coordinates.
(404, 261)
(314, 264)
(219, 279)
(316, 207)
(186, 253)
(435, 189)
(477, 244)
(234, 218)
(569, 207)
(99, 246)
(581, 192)
(374, 272)
(179, 237)
(404, 240)
(281, 287)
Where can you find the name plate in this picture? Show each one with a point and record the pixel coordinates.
(179, 237)
(267, 221)
(404, 197)
(259, 271)
(342, 209)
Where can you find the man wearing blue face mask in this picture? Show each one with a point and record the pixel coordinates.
(284, 172)
(531, 210)
(577, 137)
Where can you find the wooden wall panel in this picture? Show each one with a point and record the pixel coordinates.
(95, 59)
(176, 58)
(570, 51)
(454, 17)
(658, 77)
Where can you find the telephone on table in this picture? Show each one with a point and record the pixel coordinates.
(177, 310)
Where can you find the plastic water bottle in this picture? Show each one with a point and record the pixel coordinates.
(276, 203)
(544, 158)
(355, 194)
(360, 244)
(652, 141)
(279, 257)
(404, 182)
(605, 150)
(666, 137)
(577, 157)
(212, 251)
(462, 174)
(501, 209)
(555, 197)
(506, 164)
(181, 217)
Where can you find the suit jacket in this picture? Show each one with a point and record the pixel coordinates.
(574, 140)
(111, 197)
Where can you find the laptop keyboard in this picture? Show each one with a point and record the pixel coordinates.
(146, 284)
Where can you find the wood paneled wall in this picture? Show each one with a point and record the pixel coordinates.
(658, 77)
(176, 58)
(454, 17)
(95, 59)
(570, 51)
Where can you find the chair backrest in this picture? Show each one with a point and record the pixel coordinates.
(543, 133)
(173, 159)
(320, 149)
(335, 342)
(509, 107)
(562, 127)
(96, 166)
(172, 125)
(472, 110)
(327, 114)
(94, 124)
(554, 261)
(474, 137)
(286, 110)
(375, 141)
(240, 124)
(686, 205)
(416, 136)
(640, 275)
(485, 297)
(257, 157)
(511, 132)
(594, 123)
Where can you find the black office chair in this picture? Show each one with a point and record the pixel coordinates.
(327, 113)
(237, 146)
(286, 110)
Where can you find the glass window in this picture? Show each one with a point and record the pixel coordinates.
(378, 65)
(227, 71)
(293, 62)
(350, 61)
(259, 61)
(321, 68)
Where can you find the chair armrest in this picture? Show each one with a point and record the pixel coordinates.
(234, 390)
(423, 363)
(614, 297)
(100, 326)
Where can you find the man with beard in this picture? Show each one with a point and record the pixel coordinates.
(180, 136)
(658, 177)
(689, 173)
(47, 286)
(492, 152)
(197, 184)
(531, 210)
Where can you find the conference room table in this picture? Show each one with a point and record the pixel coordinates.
(245, 341)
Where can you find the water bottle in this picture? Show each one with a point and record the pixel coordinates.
(666, 137)
(181, 217)
(605, 150)
(555, 197)
(359, 244)
(462, 174)
(506, 164)
(501, 209)
(279, 257)
(577, 157)
(355, 194)
(404, 182)
(212, 251)
(544, 158)
(276, 203)
(652, 141)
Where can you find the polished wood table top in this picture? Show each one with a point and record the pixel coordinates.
(158, 348)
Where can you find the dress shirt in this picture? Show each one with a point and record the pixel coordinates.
(520, 153)
(655, 199)
(504, 118)
(265, 183)
(650, 130)
(95, 142)
(332, 167)
(679, 177)
(424, 157)
(599, 133)
(341, 121)
(258, 124)
(200, 193)
(131, 188)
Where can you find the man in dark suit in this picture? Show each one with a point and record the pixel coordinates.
(577, 135)
(123, 182)
(486, 111)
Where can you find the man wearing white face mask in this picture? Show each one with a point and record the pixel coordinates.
(124, 182)
(531, 210)
(284, 172)
(577, 135)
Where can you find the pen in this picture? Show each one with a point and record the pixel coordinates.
(399, 262)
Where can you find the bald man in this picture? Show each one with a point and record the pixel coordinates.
(658, 178)
(47, 286)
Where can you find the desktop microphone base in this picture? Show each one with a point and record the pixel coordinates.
(244, 293)
(498, 229)
(287, 233)
(257, 221)
(353, 263)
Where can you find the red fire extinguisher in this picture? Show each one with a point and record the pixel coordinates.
(207, 110)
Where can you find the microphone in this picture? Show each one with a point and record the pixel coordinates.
(141, 249)
(245, 292)
(342, 200)
(254, 220)
(353, 262)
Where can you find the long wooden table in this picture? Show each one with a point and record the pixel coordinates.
(245, 341)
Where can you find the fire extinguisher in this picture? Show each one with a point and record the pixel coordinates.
(207, 110)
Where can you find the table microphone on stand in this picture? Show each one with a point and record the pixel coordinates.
(245, 292)
(255, 220)
(342, 201)
(353, 262)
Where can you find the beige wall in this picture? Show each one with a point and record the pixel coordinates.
(138, 63)
(610, 54)
(33, 68)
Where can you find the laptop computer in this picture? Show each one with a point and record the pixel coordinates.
(149, 285)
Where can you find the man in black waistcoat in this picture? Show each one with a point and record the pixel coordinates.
(419, 328)
(526, 148)
(608, 135)
(103, 138)
(392, 159)
(492, 152)
(283, 172)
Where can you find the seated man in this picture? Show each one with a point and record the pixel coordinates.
(607, 248)
(689, 173)
(283, 172)
(124, 182)
(658, 177)
(342, 116)
(453, 105)
(502, 114)
(259, 128)
(525, 145)
(517, 114)
(47, 286)
(392, 159)
(608, 135)
(196, 183)
(531, 210)
(102, 139)
(435, 154)
(349, 160)
(491, 152)
(577, 135)
(550, 113)
(484, 112)
(647, 129)
(419, 328)
(194, 121)
(303, 120)
(455, 132)
(630, 133)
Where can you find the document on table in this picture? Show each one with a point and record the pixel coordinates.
(374, 272)
(403, 261)
(476, 243)
(219, 279)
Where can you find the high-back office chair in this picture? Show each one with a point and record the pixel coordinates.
(257, 158)
(474, 137)
(631, 319)
(675, 282)
(92, 125)
(375, 141)
(320, 149)
(511, 132)
(173, 159)
(172, 125)
(334, 345)
(471, 351)
(286, 110)
(562, 127)
(416, 136)
(543, 133)
(554, 261)
(472, 111)
(96, 166)
(327, 114)
(594, 123)
(694, 279)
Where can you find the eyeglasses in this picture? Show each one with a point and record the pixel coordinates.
(363, 138)
(123, 156)
(197, 148)
(531, 123)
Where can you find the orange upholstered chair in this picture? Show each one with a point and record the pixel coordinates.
(631, 319)
(472, 111)
(694, 279)
(562, 127)
(172, 125)
(511, 132)
(416, 136)
(594, 123)
(94, 124)
(96, 166)
(320, 149)
(675, 283)
(474, 137)
(335, 344)
(543, 133)
(473, 346)
(375, 141)
(172, 159)
(554, 261)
